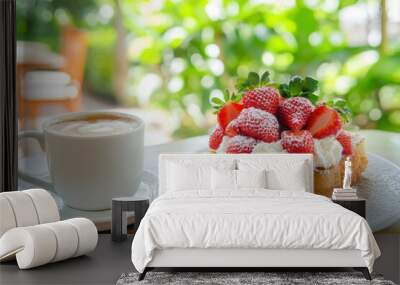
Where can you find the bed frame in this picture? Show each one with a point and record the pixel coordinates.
(236, 259)
(259, 259)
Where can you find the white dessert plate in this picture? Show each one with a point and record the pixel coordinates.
(147, 188)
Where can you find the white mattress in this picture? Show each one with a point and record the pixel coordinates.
(253, 219)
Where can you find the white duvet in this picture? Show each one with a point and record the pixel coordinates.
(250, 219)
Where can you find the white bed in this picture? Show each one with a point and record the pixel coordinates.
(248, 227)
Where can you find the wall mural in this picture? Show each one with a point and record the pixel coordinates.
(105, 86)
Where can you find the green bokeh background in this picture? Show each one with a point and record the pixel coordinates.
(192, 49)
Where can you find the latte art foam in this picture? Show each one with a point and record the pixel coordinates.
(94, 128)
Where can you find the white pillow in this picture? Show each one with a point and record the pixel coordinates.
(194, 174)
(251, 179)
(293, 180)
(223, 179)
(282, 174)
(183, 177)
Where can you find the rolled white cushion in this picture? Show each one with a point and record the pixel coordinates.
(7, 218)
(46, 207)
(26, 208)
(87, 235)
(67, 240)
(41, 244)
(23, 208)
(34, 245)
(46, 78)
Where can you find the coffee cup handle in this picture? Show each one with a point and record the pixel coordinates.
(39, 136)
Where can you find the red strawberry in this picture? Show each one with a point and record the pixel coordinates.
(257, 124)
(344, 138)
(231, 128)
(228, 112)
(295, 111)
(215, 138)
(264, 98)
(240, 144)
(323, 122)
(297, 141)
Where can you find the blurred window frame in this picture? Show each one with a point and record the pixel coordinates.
(8, 102)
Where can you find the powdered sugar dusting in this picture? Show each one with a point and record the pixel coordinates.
(240, 144)
(297, 142)
(232, 128)
(295, 112)
(263, 98)
(275, 147)
(258, 124)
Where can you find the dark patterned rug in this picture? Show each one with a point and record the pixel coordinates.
(269, 278)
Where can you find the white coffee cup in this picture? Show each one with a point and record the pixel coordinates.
(91, 158)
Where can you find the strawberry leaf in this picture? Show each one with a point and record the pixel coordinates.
(284, 90)
(295, 86)
(340, 106)
(265, 77)
(345, 114)
(253, 78)
(243, 85)
(236, 98)
(253, 81)
(217, 101)
(310, 84)
(227, 96)
(310, 96)
(339, 102)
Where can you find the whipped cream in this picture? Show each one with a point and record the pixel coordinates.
(223, 145)
(356, 138)
(274, 147)
(327, 152)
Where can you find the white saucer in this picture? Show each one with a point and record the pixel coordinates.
(148, 188)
